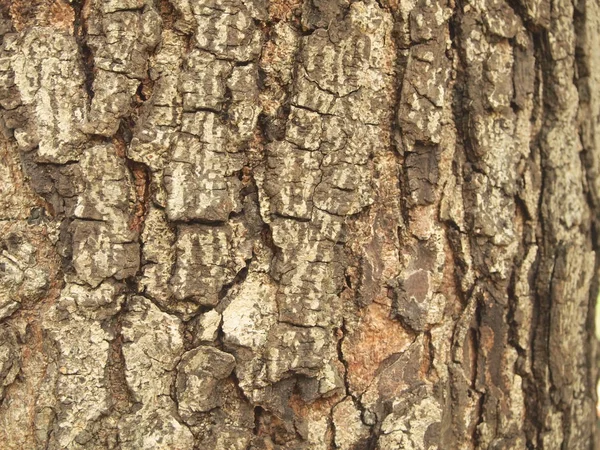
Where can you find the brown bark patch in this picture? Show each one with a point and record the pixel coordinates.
(283, 9)
(312, 419)
(61, 15)
(26, 13)
(141, 180)
(375, 339)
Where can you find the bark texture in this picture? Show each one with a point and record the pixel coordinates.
(298, 224)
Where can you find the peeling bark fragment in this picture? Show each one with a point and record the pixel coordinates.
(202, 82)
(110, 102)
(321, 13)
(199, 374)
(22, 279)
(158, 256)
(311, 273)
(420, 294)
(293, 350)
(10, 360)
(200, 180)
(250, 313)
(227, 427)
(318, 298)
(152, 347)
(121, 260)
(202, 267)
(18, 201)
(422, 171)
(415, 423)
(74, 325)
(102, 219)
(333, 129)
(206, 327)
(501, 19)
(369, 343)
(501, 118)
(291, 177)
(107, 191)
(226, 28)
(538, 11)
(350, 431)
(243, 111)
(49, 89)
(396, 377)
(416, 302)
(328, 81)
(277, 67)
(100, 303)
(422, 98)
(247, 322)
(120, 41)
(160, 115)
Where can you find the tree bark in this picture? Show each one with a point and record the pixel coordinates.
(299, 224)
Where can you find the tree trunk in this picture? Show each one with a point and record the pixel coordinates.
(299, 224)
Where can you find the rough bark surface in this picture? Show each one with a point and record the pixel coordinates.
(298, 224)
